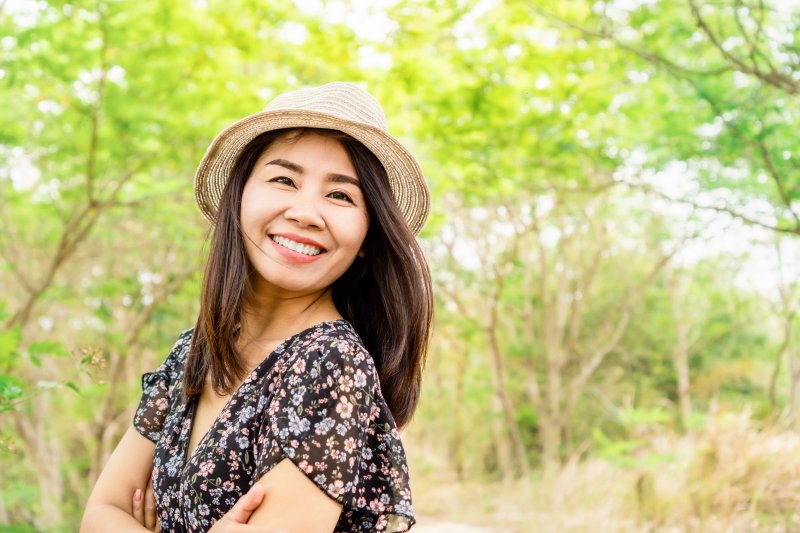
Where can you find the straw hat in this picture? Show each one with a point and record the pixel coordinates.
(338, 106)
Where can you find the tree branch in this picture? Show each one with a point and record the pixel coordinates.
(719, 209)
(772, 170)
(772, 77)
(630, 302)
(647, 55)
(76, 230)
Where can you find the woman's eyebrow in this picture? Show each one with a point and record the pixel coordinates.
(335, 178)
(294, 167)
(344, 178)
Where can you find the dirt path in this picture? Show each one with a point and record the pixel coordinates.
(431, 525)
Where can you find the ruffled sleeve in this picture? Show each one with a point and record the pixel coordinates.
(327, 415)
(157, 389)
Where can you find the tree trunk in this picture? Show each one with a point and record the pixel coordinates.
(680, 352)
(794, 388)
(552, 419)
(550, 435)
(457, 448)
(514, 433)
(42, 447)
(502, 446)
(680, 360)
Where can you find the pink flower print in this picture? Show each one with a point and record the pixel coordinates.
(350, 445)
(331, 443)
(344, 408)
(300, 366)
(206, 467)
(162, 404)
(345, 383)
(337, 488)
(305, 467)
(377, 506)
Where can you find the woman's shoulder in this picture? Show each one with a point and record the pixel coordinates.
(326, 365)
(329, 348)
(182, 344)
(330, 344)
(330, 418)
(159, 389)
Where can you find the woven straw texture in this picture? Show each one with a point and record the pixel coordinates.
(339, 106)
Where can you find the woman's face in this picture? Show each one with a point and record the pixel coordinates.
(303, 216)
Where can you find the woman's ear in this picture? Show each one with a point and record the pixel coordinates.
(362, 253)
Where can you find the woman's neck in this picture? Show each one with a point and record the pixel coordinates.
(269, 321)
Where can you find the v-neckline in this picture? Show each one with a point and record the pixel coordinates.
(191, 407)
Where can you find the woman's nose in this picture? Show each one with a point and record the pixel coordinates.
(305, 211)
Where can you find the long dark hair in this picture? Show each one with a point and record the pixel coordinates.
(386, 295)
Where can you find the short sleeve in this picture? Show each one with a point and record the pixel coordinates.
(157, 387)
(328, 417)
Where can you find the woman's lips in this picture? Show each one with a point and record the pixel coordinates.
(295, 256)
(299, 239)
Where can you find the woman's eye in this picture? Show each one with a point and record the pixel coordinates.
(339, 195)
(283, 180)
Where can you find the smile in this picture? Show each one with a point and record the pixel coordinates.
(305, 249)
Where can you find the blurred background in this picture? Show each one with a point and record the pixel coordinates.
(614, 240)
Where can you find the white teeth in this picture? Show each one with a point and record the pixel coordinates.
(305, 249)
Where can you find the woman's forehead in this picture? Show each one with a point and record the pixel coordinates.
(310, 153)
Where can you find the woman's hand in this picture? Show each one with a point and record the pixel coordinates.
(235, 520)
(144, 507)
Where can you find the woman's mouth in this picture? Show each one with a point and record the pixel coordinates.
(305, 249)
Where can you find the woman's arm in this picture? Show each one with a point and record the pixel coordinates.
(294, 503)
(128, 469)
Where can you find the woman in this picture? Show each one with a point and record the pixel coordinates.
(307, 353)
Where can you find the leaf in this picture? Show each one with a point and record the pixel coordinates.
(47, 348)
(10, 390)
(9, 345)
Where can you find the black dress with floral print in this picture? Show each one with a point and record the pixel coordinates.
(315, 400)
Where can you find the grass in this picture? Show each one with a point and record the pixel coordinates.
(733, 476)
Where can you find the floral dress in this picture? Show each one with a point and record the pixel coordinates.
(315, 400)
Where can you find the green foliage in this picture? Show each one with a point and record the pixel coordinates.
(524, 125)
(10, 391)
(9, 346)
(11, 386)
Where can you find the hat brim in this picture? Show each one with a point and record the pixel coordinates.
(405, 176)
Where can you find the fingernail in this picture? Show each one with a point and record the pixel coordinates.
(137, 495)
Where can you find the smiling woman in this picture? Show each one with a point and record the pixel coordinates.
(281, 407)
(300, 192)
